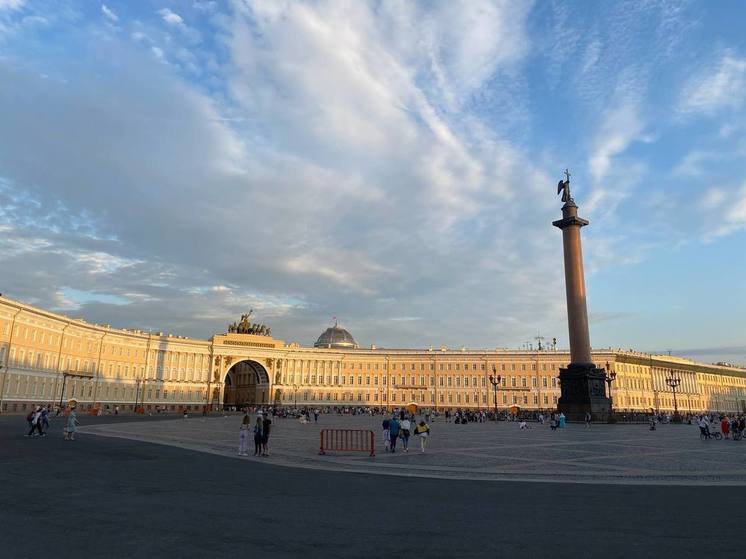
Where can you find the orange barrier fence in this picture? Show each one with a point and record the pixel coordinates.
(352, 440)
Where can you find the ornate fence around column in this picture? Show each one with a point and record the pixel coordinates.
(347, 440)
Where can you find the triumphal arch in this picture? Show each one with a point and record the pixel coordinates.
(244, 362)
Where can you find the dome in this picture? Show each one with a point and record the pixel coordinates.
(336, 338)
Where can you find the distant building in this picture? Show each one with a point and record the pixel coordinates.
(100, 366)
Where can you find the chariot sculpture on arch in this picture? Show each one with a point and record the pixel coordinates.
(245, 326)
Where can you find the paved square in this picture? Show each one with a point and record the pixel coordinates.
(122, 497)
(624, 454)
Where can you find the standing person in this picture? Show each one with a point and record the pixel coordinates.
(393, 432)
(72, 424)
(423, 431)
(316, 415)
(258, 427)
(267, 422)
(243, 435)
(561, 420)
(725, 427)
(587, 419)
(116, 410)
(386, 437)
(405, 426)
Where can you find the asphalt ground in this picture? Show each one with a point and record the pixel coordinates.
(112, 497)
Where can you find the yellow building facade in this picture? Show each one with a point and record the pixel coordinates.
(47, 357)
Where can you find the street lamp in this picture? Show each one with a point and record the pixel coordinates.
(494, 381)
(674, 383)
(137, 392)
(295, 395)
(610, 377)
(65, 374)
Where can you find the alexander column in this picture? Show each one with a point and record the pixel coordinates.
(582, 384)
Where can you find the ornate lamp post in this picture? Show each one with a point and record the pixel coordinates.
(674, 383)
(494, 381)
(610, 377)
(295, 395)
(137, 391)
(65, 374)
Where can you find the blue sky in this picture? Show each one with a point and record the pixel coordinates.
(170, 165)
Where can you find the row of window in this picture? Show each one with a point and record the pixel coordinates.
(316, 366)
(421, 398)
(422, 380)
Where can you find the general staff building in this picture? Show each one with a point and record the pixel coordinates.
(47, 357)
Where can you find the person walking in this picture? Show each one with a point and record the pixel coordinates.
(72, 425)
(258, 427)
(587, 420)
(405, 426)
(33, 418)
(561, 420)
(243, 435)
(423, 431)
(393, 432)
(266, 423)
(44, 421)
(386, 437)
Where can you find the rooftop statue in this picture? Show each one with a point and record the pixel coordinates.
(564, 188)
(244, 326)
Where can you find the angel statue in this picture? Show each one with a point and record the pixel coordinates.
(564, 187)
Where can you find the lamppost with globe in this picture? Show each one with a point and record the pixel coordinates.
(494, 381)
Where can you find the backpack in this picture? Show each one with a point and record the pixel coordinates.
(30, 416)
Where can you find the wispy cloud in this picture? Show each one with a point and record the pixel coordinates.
(721, 86)
(109, 13)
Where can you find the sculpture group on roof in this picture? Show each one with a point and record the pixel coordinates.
(244, 326)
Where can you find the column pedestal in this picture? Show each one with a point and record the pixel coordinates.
(583, 389)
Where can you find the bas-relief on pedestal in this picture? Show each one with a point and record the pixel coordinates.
(582, 384)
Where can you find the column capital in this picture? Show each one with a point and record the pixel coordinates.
(570, 221)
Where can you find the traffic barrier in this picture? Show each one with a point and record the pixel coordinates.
(348, 440)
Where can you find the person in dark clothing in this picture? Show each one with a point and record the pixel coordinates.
(258, 428)
(265, 435)
(393, 432)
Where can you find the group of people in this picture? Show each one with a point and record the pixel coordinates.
(558, 420)
(729, 426)
(400, 427)
(260, 431)
(38, 422)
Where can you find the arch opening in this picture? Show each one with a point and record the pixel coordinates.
(246, 383)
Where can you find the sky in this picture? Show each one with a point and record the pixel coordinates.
(171, 165)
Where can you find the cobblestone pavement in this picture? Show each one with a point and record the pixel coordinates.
(618, 454)
(118, 497)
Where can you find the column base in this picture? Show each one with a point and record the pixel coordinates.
(583, 389)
